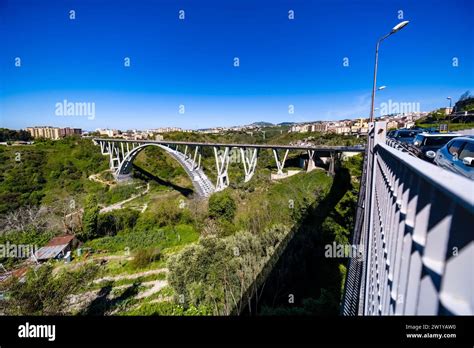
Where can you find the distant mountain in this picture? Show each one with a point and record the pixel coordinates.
(262, 124)
(286, 124)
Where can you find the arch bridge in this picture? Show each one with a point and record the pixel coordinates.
(413, 226)
(188, 154)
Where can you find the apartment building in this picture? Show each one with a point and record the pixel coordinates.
(44, 132)
(52, 133)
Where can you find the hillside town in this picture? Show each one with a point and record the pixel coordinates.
(358, 126)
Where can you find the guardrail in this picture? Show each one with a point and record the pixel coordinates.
(351, 298)
(416, 234)
(404, 147)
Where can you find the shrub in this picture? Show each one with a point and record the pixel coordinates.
(43, 293)
(222, 206)
(167, 213)
(154, 237)
(143, 257)
(89, 219)
(109, 224)
(168, 309)
(217, 272)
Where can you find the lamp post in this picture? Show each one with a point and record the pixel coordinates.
(376, 110)
(381, 88)
(394, 30)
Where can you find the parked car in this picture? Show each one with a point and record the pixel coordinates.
(429, 143)
(457, 156)
(405, 135)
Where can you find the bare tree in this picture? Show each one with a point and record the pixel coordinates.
(69, 213)
(24, 217)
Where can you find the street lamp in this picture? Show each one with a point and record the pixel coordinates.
(449, 115)
(381, 88)
(376, 110)
(396, 28)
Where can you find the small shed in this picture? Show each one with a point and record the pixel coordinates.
(57, 248)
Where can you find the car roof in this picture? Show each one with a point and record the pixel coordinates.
(469, 138)
(440, 134)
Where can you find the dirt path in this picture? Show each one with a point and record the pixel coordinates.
(132, 276)
(97, 178)
(73, 266)
(119, 205)
(156, 285)
(80, 301)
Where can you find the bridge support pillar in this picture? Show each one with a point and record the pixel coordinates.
(197, 155)
(311, 161)
(222, 165)
(186, 152)
(332, 164)
(280, 163)
(114, 156)
(103, 148)
(122, 152)
(249, 158)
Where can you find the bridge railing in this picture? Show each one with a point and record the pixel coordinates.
(416, 235)
(404, 147)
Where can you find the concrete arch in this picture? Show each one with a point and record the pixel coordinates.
(200, 181)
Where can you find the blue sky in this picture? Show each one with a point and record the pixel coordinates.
(190, 62)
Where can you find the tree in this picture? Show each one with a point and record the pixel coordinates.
(90, 219)
(13, 135)
(43, 293)
(222, 206)
(465, 102)
(466, 95)
(23, 217)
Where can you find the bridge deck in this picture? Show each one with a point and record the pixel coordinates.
(257, 146)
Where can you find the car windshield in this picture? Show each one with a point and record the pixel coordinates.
(468, 151)
(454, 147)
(419, 140)
(435, 141)
(406, 134)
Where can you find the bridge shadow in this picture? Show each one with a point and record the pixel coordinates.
(146, 175)
(101, 305)
(302, 280)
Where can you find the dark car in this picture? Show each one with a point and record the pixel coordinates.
(457, 156)
(405, 135)
(425, 145)
(391, 133)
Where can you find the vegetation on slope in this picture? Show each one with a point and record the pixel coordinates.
(224, 273)
(219, 253)
(48, 171)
